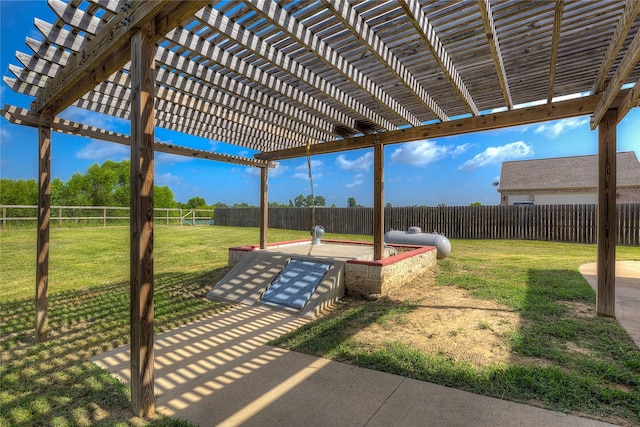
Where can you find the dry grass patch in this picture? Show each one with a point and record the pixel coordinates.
(446, 321)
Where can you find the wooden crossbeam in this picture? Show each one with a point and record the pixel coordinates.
(20, 87)
(630, 101)
(59, 36)
(236, 134)
(494, 44)
(193, 42)
(75, 17)
(109, 50)
(24, 117)
(47, 52)
(37, 65)
(277, 124)
(170, 100)
(555, 43)
(239, 92)
(625, 23)
(291, 66)
(628, 63)
(521, 116)
(322, 130)
(29, 77)
(315, 45)
(428, 34)
(359, 29)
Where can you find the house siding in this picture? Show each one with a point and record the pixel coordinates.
(588, 196)
(566, 180)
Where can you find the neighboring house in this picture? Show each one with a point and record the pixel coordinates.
(566, 180)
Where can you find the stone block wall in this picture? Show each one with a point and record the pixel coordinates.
(373, 279)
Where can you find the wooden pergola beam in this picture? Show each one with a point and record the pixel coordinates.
(191, 41)
(625, 23)
(141, 222)
(291, 66)
(494, 45)
(378, 201)
(24, 117)
(44, 216)
(555, 43)
(428, 34)
(630, 101)
(628, 63)
(325, 53)
(361, 30)
(264, 207)
(109, 50)
(606, 256)
(521, 116)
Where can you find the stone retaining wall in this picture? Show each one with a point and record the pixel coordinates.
(373, 279)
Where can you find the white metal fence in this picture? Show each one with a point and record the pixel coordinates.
(69, 216)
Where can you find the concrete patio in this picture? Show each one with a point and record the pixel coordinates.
(219, 372)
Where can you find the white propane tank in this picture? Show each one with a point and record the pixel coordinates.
(415, 236)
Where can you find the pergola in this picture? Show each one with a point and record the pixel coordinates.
(293, 78)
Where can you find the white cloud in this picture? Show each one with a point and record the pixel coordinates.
(168, 178)
(302, 171)
(278, 171)
(169, 159)
(357, 180)
(101, 121)
(5, 135)
(101, 150)
(251, 171)
(494, 155)
(460, 149)
(273, 172)
(362, 163)
(419, 153)
(558, 127)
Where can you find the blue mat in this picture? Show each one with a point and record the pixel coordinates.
(295, 284)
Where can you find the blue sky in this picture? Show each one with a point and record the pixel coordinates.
(456, 170)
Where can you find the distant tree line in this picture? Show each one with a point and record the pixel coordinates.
(101, 185)
(108, 185)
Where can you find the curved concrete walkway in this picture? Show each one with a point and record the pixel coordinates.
(219, 372)
(627, 307)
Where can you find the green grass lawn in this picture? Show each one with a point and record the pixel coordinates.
(53, 383)
(586, 365)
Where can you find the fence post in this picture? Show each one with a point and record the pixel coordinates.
(104, 217)
(4, 218)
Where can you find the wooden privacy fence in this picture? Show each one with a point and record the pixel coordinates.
(564, 223)
(66, 216)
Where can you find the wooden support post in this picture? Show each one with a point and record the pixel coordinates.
(44, 216)
(378, 201)
(606, 263)
(141, 274)
(264, 206)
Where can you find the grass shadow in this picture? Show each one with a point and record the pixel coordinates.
(53, 383)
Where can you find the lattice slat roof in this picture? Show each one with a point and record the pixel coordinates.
(272, 75)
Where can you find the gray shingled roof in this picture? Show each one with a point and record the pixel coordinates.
(577, 172)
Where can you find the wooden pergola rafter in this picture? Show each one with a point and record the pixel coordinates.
(291, 78)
